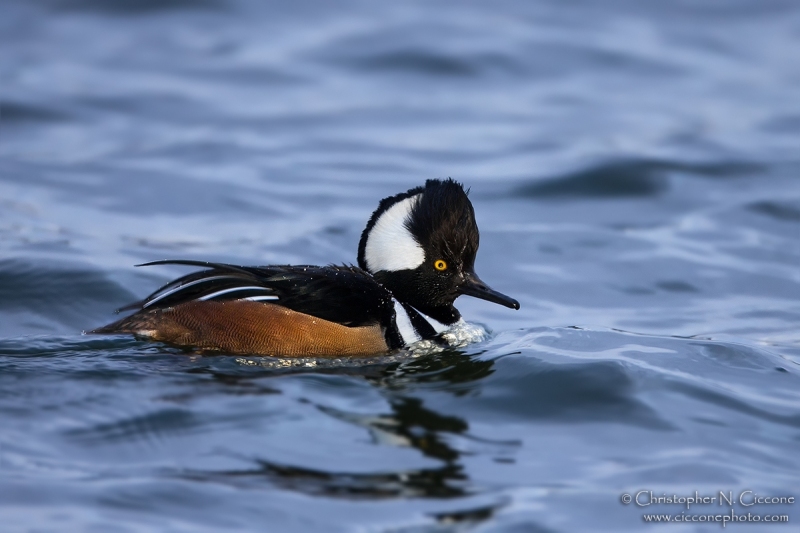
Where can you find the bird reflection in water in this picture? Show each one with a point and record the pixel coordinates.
(409, 424)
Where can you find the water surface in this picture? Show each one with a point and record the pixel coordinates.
(634, 173)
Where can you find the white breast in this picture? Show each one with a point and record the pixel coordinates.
(404, 325)
(437, 326)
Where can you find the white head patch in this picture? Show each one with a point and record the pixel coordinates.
(390, 246)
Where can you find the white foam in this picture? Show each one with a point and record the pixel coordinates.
(459, 335)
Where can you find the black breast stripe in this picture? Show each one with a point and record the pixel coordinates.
(422, 326)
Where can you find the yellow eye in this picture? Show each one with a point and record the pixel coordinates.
(440, 265)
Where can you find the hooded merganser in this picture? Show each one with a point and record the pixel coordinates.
(415, 257)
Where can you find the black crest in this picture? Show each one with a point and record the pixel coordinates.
(444, 220)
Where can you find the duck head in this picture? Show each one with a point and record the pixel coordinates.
(421, 245)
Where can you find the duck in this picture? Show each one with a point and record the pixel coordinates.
(415, 257)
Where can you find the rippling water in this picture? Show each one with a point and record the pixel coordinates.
(634, 169)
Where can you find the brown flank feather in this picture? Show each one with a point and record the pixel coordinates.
(253, 328)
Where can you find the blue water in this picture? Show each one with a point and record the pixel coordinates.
(634, 169)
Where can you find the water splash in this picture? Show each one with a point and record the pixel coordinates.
(460, 335)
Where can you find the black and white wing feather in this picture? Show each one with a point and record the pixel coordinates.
(343, 294)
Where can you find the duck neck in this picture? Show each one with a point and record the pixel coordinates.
(447, 315)
(412, 290)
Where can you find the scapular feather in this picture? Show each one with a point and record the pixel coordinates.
(343, 294)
